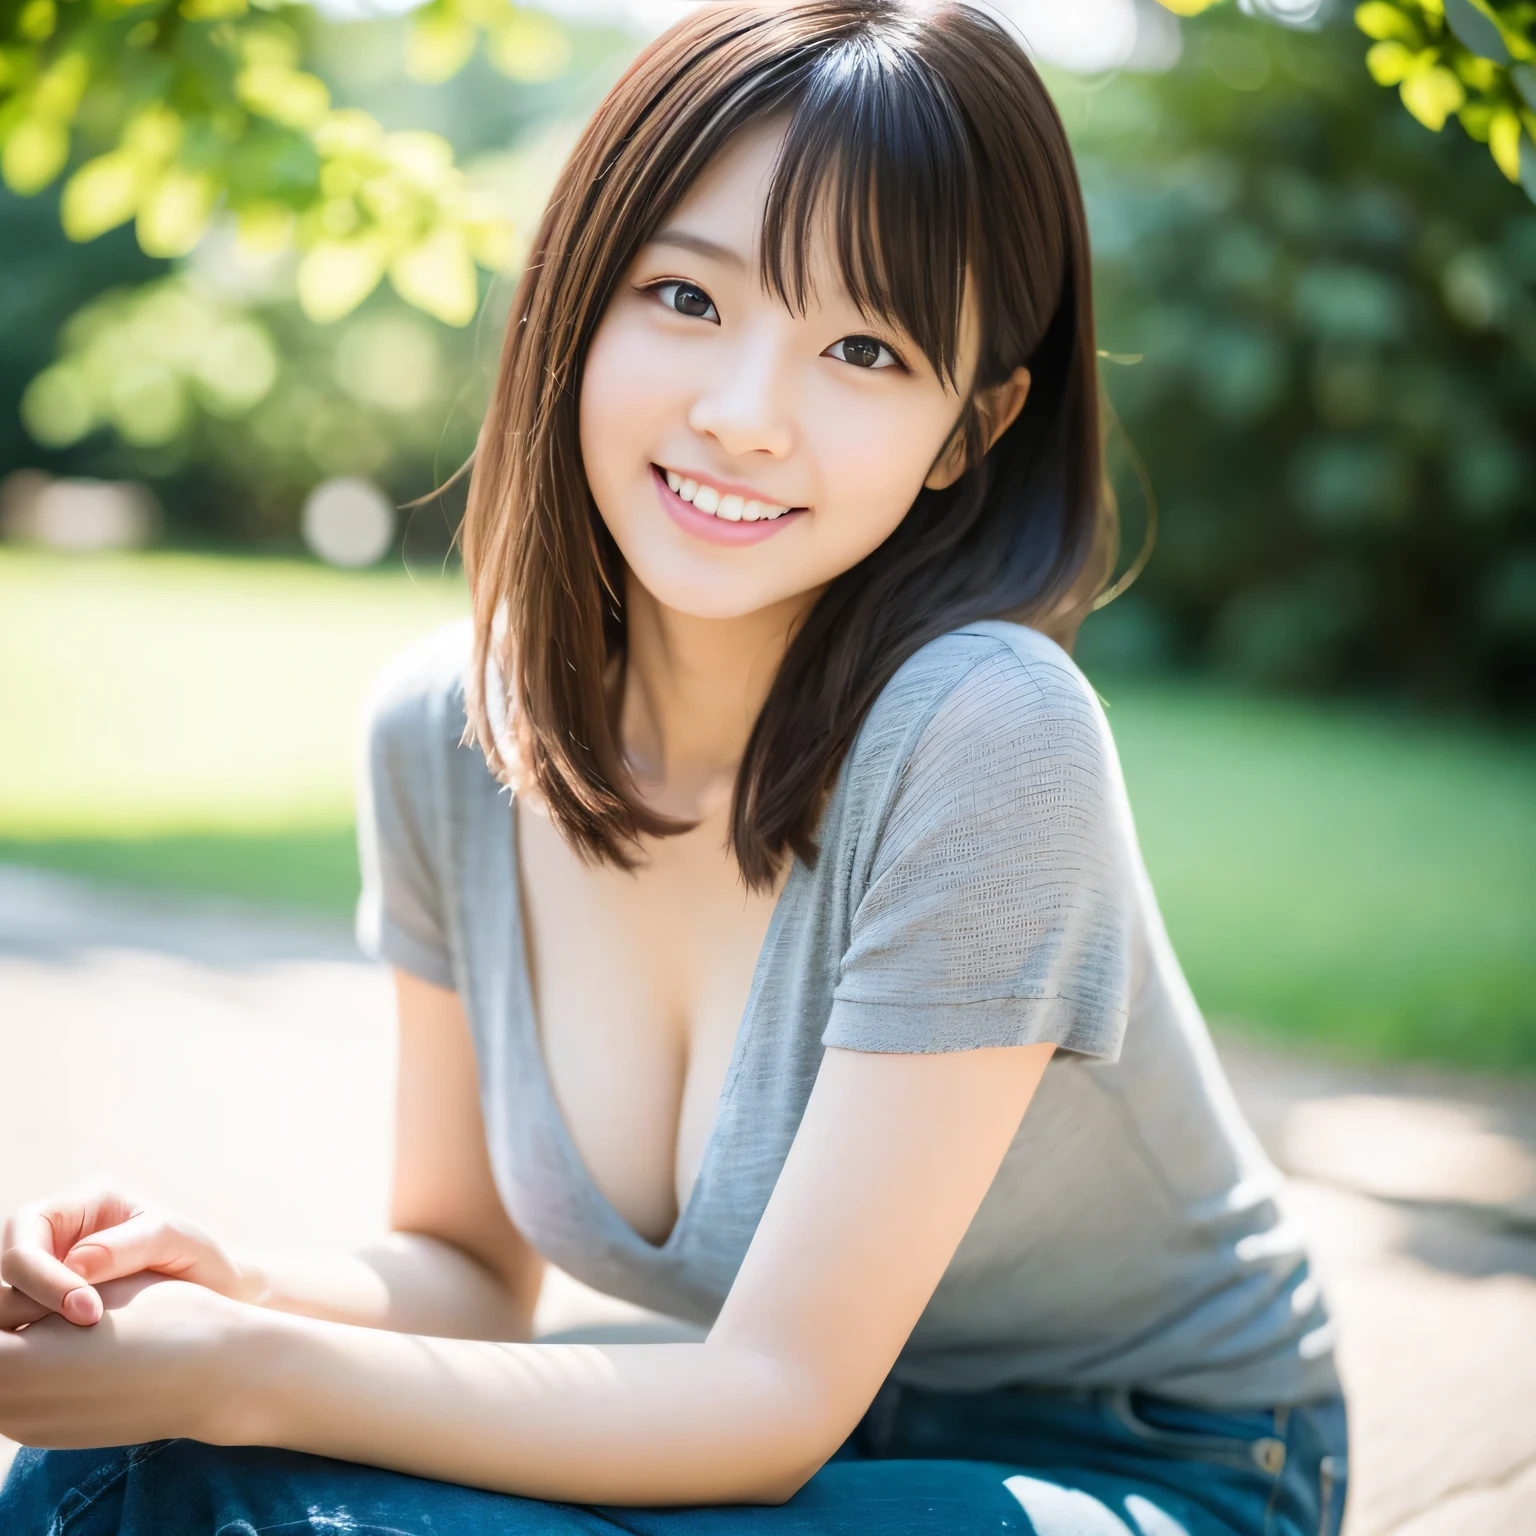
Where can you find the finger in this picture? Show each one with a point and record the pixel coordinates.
(18, 1309)
(36, 1273)
(145, 1241)
(58, 1223)
(36, 1238)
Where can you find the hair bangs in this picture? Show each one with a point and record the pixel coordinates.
(924, 163)
(877, 156)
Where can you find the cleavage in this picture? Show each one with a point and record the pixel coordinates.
(639, 981)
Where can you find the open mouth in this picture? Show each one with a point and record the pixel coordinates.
(728, 506)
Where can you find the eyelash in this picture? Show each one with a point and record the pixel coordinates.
(896, 360)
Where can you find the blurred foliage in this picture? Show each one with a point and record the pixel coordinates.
(211, 379)
(190, 381)
(137, 359)
(1475, 59)
(1336, 397)
(1335, 316)
(522, 44)
(184, 108)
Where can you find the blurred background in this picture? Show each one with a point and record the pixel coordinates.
(1319, 320)
(254, 262)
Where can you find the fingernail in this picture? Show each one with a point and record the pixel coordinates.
(82, 1306)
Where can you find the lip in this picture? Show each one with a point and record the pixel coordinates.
(716, 530)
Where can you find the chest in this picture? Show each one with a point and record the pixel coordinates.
(639, 979)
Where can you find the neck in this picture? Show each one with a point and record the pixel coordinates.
(693, 688)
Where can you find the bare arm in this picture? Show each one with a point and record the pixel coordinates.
(892, 1158)
(453, 1266)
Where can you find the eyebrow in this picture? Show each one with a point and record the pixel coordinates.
(682, 239)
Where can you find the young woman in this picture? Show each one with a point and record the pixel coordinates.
(817, 873)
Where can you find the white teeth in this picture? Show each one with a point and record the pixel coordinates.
(730, 507)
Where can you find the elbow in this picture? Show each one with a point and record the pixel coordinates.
(780, 1489)
(793, 1462)
(799, 1434)
(777, 1483)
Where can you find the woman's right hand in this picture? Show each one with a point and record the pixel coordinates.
(56, 1251)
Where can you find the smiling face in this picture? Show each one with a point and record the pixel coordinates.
(742, 454)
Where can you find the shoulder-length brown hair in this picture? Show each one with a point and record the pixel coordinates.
(927, 133)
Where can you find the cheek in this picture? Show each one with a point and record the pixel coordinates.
(874, 455)
(623, 399)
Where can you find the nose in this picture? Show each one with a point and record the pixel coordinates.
(745, 405)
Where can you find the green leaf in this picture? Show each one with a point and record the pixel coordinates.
(1477, 118)
(212, 10)
(492, 242)
(102, 194)
(1432, 95)
(426, 157)
(349, 131)
(173, 213)
(35, 152)
(438, 47)
(1528, 166)
(335, 276)
(1504, 142)
(270, 44)
(1524, 76)
(438, 276)
(284, 95)
(1477, 73)
(59, 88)
(531, 46)
(271, 163)
(1382, 21)
(1391, 63)
(37, 20)
(1476, 29)
(154, 135)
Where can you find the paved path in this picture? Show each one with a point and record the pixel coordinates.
(240, 1069)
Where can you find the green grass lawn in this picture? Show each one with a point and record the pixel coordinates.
(189, 721)
(1366, 883)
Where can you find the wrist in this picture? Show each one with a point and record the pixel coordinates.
(253, 1281)
(256, 1360)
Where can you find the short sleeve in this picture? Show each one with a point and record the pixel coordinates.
(997, 905)
(400, 913)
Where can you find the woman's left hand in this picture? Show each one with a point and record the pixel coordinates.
(157, 1366)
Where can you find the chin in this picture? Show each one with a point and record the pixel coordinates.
(708, 595)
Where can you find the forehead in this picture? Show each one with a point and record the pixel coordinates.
(730, 204)
(735, 183)
(727, 205)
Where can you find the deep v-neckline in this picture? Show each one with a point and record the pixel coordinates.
(532, 1042)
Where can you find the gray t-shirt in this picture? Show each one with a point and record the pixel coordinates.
(978, 883)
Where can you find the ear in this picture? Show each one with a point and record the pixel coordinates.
(997, 408)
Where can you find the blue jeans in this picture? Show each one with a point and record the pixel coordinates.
(1102, 1463)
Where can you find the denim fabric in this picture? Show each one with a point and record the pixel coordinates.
(1091, 1463)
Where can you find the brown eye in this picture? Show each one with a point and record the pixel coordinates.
(863, 352)
(686, 299)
